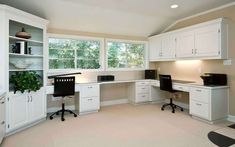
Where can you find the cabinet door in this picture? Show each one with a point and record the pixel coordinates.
(207, 41)
(168, 47)
(185, 44)
(18, 110)
(37, 105)
(155, 46)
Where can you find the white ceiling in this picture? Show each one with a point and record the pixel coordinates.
(121, 17)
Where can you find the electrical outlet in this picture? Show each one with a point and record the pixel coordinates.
(158, 69)
(227, 62)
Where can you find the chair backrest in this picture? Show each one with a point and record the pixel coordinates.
(64, 86)
(165, 82)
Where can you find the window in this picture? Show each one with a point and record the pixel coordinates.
(125, 55)
(74, 53)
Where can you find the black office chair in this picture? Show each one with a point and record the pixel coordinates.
(63, 86)
(166, 85)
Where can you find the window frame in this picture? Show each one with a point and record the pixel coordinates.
(62, 36)
(146, 62)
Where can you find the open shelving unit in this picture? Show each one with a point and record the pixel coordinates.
(35, 44)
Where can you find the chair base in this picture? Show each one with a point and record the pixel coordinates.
(173, 106)
(62, 113)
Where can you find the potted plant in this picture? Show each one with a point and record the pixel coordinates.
(26, 81)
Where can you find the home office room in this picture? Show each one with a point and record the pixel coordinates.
(117, 73)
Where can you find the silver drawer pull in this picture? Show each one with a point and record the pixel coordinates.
(180, 87)
(198, 90)
(3, 122)
(143, 95)
(90, 87)
(89, 99)
(198, 104)
(2, 102)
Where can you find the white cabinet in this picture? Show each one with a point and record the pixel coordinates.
(25, 108)
(162, 47)
(209, 104)
(185, 44)
(208, 40)
(155, 46)
(139, 92)
(89, 99)
(204, 41)
(37, 107)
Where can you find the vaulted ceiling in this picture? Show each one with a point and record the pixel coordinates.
(121, 17)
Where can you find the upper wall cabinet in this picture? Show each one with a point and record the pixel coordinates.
(162, 47)
(202, 41)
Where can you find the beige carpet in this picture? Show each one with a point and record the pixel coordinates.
(119, 126)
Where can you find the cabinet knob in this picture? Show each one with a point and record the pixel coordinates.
(2, 102)
(198, 104)
(3, 122)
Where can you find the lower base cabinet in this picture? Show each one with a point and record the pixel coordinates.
(209, 104)
(89, 98)
(25, 108)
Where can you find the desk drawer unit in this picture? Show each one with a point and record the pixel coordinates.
(142, 90)
(200, 94)
(199, 109)
(89, 104)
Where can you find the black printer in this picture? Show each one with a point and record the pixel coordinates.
(214, 79)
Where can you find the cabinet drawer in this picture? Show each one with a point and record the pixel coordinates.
(142, 98)
(200, 94)
(199, 109)
(181, 88)
(89, 91)
(89, 104)
(142, 83)
(142, 89)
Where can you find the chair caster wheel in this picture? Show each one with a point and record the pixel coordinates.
(162, 109)
(62, 119)
(51, 117)
(175, 106)
(173, 111)
(57, 113)
(75, 115)
(182, 109)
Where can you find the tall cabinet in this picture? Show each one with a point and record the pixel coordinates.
(23, 54)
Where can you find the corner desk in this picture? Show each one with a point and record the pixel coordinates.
(209, 103)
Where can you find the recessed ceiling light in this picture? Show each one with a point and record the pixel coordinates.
(174, 6)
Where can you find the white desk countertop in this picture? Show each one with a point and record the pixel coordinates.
(50, 88)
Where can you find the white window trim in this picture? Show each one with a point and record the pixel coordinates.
(146, 62)
(63, 36)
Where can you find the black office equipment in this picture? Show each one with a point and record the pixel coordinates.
(214, 79)
(103, 78)
(63, 86)
(150, 74)
(166, 85)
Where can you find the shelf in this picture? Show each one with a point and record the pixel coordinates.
(25, 55)
(12, 70)
(34, 42)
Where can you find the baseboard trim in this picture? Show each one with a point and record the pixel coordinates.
(54, 109)
(231, 118)
(183, 105)
(114, 102)
(11, 132)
